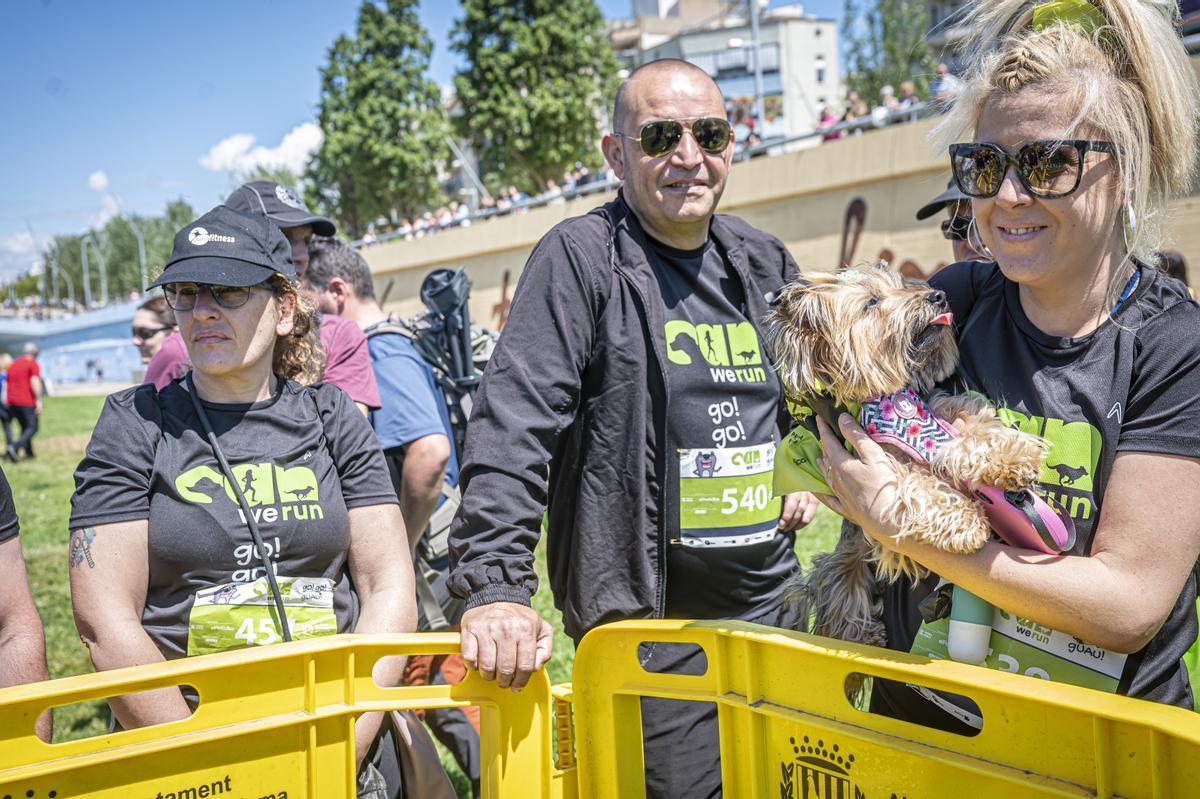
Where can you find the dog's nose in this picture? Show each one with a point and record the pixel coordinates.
(936, 297)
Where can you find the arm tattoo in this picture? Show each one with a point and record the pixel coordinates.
(81, 547)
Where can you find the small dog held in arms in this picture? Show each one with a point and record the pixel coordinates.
(845, 339)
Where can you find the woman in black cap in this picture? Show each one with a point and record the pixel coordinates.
(236, 507)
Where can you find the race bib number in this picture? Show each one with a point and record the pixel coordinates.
(238, 615)
(725, 496)
(1021, 646)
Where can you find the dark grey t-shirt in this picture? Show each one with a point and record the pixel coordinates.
(1133, 385)
(302, 457)
(9, 526)
(726, 557)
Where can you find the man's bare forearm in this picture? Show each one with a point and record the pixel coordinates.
(23, 661)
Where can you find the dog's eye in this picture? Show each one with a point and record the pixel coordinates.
(871, 303)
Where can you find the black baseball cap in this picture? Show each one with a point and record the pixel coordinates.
(952, 194)
(227, 248)
(281, 204)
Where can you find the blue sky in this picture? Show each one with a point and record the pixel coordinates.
(124, 105)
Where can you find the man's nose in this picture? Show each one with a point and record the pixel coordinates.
(687, 152)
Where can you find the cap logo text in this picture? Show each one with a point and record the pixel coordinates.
(199, 236)
(289, 197)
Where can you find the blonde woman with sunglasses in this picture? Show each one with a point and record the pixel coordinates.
(1075, 127)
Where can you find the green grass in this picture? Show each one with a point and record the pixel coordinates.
(42, 490)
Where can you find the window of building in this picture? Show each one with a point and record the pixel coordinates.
(820, 65)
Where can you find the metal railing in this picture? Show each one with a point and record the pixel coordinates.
(768, 148)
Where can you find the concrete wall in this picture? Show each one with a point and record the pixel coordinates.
(800, 197)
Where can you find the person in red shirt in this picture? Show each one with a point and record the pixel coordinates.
(347, 361)
(25, 399)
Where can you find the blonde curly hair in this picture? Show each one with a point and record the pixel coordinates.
(1129, 79)
(298, 355)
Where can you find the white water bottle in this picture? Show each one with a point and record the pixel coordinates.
(970, 633)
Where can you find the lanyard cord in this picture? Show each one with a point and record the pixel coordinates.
(282, 622)
(1129, 287)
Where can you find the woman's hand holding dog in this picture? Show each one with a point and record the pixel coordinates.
(864, 483)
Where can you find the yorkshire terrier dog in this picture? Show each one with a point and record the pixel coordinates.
(867, 333)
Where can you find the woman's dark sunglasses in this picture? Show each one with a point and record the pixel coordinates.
(147, 333)
(182, 296)
(1045, 168)
(663, 135)
(956, 228)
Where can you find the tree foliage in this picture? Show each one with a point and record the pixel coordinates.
(537, 79)
(885, 44)
(382, 118)
(276, 174)
(114, 246)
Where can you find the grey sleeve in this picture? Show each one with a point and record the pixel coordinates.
(112, 482)
(527, 398)
(352, 444)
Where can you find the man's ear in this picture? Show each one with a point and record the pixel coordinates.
(610, 145)
(340, 289)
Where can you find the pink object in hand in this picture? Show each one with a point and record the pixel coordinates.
(1021, 518)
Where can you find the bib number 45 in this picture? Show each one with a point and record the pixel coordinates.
(258, 632)
(752, 500)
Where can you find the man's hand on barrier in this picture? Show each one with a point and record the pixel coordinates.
(506, 642)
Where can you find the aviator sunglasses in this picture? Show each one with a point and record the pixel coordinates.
(1047, 169)
(182, 296)
(662, 136)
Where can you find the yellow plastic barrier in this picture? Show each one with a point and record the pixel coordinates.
(277, 722)
(273, 722)
(788, 730)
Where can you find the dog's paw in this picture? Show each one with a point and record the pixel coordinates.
(988, 453)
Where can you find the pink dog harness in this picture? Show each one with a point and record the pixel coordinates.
(1022, 518)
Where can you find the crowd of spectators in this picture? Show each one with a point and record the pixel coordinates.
(890, 108)
(509, 200)
(579, 180)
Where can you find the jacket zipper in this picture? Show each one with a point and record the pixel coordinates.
(661, 570)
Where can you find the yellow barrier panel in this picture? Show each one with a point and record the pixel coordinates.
(788, 730)
(273, 722)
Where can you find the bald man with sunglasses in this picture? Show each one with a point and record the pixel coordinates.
(632, 396)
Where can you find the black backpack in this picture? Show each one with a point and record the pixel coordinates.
(457, 351)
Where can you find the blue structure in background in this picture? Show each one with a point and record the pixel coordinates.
(80, 348)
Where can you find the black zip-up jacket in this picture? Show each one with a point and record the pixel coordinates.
(573, 409)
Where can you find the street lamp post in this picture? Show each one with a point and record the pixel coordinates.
(759, 114)
(87, 284)
(57, 270)
(141, 242)
(87, 281)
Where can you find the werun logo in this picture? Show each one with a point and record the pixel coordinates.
(289, 197)
(199, 236)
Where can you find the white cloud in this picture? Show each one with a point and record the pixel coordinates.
(238, 153)
(109, 207)
(20, 253)
(98, 180)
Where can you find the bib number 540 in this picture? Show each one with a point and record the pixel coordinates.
(753, 498)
